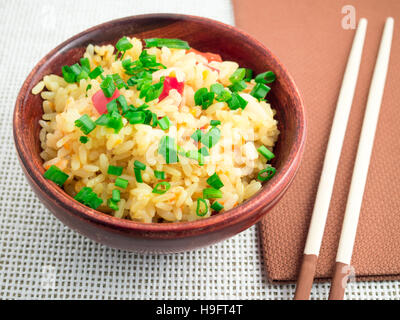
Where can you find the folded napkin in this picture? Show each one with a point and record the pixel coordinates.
(309, 39)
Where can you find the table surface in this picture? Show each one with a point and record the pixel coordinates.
(41, 258)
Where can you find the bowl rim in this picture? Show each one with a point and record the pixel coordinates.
(269, 193)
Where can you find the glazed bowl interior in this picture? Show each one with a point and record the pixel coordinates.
(204, 35)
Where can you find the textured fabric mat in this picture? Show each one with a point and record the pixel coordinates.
(308, 36)
(41, 258)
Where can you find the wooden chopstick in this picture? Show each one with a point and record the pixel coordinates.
(359, 178)
(324, 193)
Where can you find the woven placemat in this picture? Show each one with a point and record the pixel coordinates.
(311, 41)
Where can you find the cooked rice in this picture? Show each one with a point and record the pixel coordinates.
(234, 158)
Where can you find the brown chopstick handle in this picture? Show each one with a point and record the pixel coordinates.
(306, 277)
(339, 281)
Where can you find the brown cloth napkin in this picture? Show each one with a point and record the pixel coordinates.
(308, 37)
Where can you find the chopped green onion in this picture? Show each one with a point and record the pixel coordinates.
(195, 155)
(265, 77)
(123, 104)
(138, 174)
(88, 198)
(169, 43)
(204, 98)
(211, 137)
(220, 92)
(112, 106)
(215, 181)
(112, 204)
(168, 149)
(217, 206)
(108, 86)
(68, 75)
(266, 153)
(96, 72)
(123, 44)
(56, 175)
(76, 69)
(159, 174)
(211, 193)
(135, 117)
(115, 170)
(197, 135)
(122, 183)
(164, 123)
(249, 75)
(236, 102)
(119, 81)
(238, 86)
(161, 187)
(85, 63)
(139, 165)
(111, 120)
(201, 212)
(266, 174)
(88, 87)
(214, 123)
(86, 124)
(152, 92)
(83, 139)
(116, 195)
(238, 75)
(203, 151)
(260, 90)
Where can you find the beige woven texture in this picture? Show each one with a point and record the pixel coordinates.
(308, 37)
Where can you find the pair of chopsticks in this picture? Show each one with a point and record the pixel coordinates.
(324, 193)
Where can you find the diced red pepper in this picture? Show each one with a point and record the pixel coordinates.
(208, 55)
(100, 100)
(169, 84)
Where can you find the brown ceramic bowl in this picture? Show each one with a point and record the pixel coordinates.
(204, 35)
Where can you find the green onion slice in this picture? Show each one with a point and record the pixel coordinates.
(138, 174)
(266, 153)
(164, 123)
(260, 90)
(203, 151)
(215, 123)
(217, 206)
(88, 198)
(115, 170)
(249, 75)
(266, 174)
(123, 44)
(116, 195)
(211, 138)
(265, 77)
(236, 102)
(169, 43)
(197, 135)
(83, 139)
(56, 175)
(168, 149)
(161, 187)
(238, 86)
(201, 212)
(159, 174)
(238, 75)
(108, 86)
(122, 183)
(211, 193)
(96, 72)
(139, 165)
(86, 124)
(215, 181)
(112, 204)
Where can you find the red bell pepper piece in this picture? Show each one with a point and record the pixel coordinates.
(100, 100)
(169, 84)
